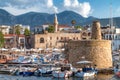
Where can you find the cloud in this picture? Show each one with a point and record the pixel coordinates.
(75, 3)
(52, 7)
(49, 3)
(83, 9)
(67, 3)
(18, 7)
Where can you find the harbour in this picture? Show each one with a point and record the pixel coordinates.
(99, 77)
(69, 45)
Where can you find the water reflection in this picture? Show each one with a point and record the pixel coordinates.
(98, 77)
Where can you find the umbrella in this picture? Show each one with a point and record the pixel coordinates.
(3, 49)
(40, 49)
(55, 49)
(84, 62)
(63, 49)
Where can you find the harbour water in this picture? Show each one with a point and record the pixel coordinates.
(98, 77)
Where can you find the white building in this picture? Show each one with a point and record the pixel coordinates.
(5, 29)
(23, 28)
(40, 29)
(114, 36)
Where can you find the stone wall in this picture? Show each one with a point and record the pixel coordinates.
(54, 39)
(97, 51)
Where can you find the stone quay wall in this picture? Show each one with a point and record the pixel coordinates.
(97, 51)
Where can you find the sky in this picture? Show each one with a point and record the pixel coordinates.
(86, 8)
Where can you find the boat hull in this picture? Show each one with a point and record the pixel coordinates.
(85, 74)
(59, 74)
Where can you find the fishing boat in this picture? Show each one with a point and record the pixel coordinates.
(45, 70)
(65, 72)
(117, 70)
(25, 71)
(86, 71)
(5, 69)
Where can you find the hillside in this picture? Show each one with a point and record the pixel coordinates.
(36, 19)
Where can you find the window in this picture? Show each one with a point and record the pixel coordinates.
(41, 40)
(57, 38)
(73, 38)
(77, 38)
(50, 38)
(50, 44)
(61, 38)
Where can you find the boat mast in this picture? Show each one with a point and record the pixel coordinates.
(111, 18)
(24, 46)
(111, 32)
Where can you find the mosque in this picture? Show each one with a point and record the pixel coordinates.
(54, 40)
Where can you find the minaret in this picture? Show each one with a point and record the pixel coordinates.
(56, 23)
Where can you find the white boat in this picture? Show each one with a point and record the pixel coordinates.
(65, 72)
(85, 72)
(117, 70)
(60, 74)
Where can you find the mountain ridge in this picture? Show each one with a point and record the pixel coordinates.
(36, 18)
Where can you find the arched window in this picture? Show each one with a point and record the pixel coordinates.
(41, 40)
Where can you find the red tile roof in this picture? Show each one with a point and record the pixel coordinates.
(63, 26)
(10, 35)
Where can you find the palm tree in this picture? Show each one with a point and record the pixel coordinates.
(73, 22)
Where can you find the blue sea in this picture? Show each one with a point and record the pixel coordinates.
(98, 77)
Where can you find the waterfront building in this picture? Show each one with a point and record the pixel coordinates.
(112, 34)
(41, 29)
(12, 40)
(23, 27)
(5, 29)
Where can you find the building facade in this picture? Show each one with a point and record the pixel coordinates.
(51, 40)
(112, 34)
(4, 29)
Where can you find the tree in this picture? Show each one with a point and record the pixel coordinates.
(26, 32)
(17, 30)
(1, 39)
(27, 36)
(51, 29)
(78, 27)
(73, 22)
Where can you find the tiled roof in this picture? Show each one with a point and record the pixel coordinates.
(10, 35)
(63, 26)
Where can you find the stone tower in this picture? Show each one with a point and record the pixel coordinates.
(56, 23)
(96, 30)
(96, 50)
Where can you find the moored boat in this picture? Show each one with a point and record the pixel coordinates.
(65, 72)
(86, 71)
(60, 74)
(117, 70)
